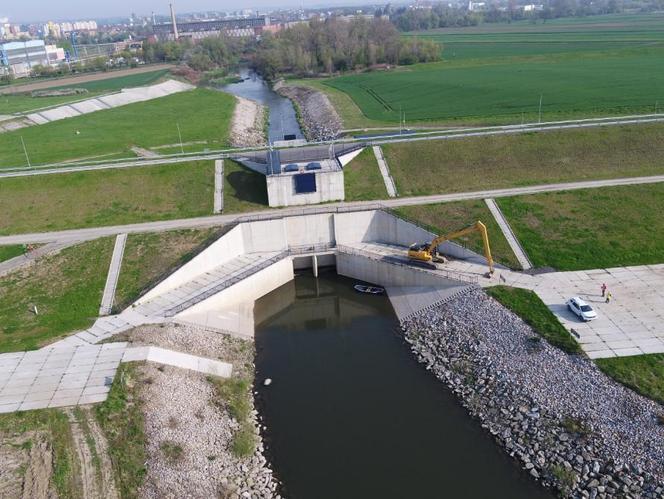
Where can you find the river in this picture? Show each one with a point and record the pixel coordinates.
(351, 414)
(283, 120)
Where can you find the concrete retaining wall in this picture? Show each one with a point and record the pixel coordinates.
(229, 246)
(385, 274)
(233, 308)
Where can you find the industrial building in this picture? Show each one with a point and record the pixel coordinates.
(201, 29)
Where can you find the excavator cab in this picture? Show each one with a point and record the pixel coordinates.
(420, 252)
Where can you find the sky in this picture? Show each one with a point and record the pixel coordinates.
(44, 10)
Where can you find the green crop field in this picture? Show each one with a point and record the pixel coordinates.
(201, 114)
(20, 103)
(496, 162)
(106, 197)
(590, 228)
(497, 74)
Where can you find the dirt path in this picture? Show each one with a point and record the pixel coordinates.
(38, 474)
(247, 124)
(96, 475)
(75, 80)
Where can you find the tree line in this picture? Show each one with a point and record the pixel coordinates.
(338, 44)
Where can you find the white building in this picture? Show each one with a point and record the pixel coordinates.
(21, 57)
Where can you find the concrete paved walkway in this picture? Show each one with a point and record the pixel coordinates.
(390, 186)
(113, 275)
(211, 221)
(219, 186)
(507, 231)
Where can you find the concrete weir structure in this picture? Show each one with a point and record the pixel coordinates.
(218, 288)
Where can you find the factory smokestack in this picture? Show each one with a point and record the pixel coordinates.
(175, 26)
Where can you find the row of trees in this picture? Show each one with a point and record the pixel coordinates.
(219, 53)
(338, 44)
(442, 15)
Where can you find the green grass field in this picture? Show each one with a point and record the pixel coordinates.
(150, 257)
(66, 289)
(532, 310)
(493, 162)
(497, 73)
(106, 197)
(8, 252)
(20, 103)
(201, 114)
(643, 373)
(591, 228)
(362, 178)
(448, 217)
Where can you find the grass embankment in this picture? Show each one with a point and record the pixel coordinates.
(66, 289)
(244, 189)
(121, 420)
(478, 163)
(106, 197)
(51, 426)
(8, 252)
(203, 115)
(362, 178)
(527, 305)
(235, 397)
(590, 228)
(448, 217)
(642, 373)
(18, 103)
(497, 73)
(150, 257)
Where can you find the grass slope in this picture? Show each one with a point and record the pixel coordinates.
(362, 178)
(592, 228)
(201, 114)
(478, 163)
(8, 252)
(66, 289)
(448, 217)
(106, 197)
(642, 373)
(534, 312)
(149, 257)
(244, 189)
(20, 103)
(121, 420)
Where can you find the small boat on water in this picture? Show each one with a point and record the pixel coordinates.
(371, 290)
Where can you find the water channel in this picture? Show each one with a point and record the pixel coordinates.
(351, 414)
(282, 119)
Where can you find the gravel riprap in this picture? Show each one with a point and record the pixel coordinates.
(189, 435)
(320, 120)
(570, 426)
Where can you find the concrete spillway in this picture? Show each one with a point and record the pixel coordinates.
(218, 288)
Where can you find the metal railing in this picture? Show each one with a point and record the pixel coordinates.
(213, 290)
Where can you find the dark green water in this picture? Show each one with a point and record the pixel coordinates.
(351, 414)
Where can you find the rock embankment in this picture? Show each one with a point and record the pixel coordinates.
(569, 425)
(319, 118)
(188, 429)
(247, 124)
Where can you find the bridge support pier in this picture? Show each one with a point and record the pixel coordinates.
(314, 265)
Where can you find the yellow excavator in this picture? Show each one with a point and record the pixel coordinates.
(428, 252)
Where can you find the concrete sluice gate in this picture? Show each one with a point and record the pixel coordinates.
(217, 289)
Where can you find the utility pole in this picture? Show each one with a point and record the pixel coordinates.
(400, 119)
(26, 152)
(540, 109)
(180, 135)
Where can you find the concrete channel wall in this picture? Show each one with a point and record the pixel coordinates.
(299, 242)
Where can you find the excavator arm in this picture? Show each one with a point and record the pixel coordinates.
(425, 253)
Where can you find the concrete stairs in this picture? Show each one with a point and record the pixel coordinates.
(208, 284)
